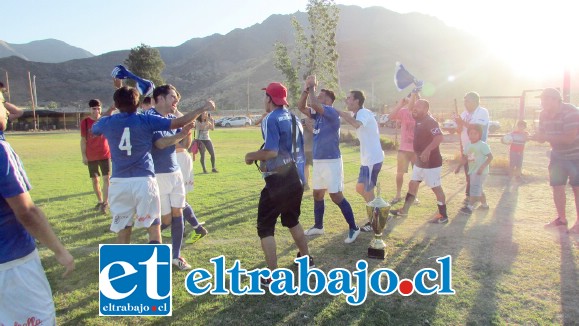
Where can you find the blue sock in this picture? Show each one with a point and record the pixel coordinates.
(189, 216)
(348, 213)
(177, 227)
(319, 207)
(164, 226)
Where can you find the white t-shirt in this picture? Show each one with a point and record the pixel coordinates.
(370, 149)
(479, 116)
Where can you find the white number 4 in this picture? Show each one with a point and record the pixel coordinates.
(125, 144)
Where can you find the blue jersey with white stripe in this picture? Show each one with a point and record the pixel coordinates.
(130, 138)
(276, 129)
(165, 160)
(326, 134)
(15, 241)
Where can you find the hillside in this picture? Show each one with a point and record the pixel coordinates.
(224, 67)
(47, 51)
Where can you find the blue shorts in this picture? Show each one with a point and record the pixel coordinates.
(516, 160)
(561, 170)
(367, 178)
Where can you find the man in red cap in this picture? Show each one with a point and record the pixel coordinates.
(283, 191)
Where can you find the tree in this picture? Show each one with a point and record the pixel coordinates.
(314, 53)
(145, 61)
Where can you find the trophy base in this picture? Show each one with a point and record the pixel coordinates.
(376, 253)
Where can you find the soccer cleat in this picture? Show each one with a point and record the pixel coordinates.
(352, 235)
(439, 219)
(466, 210)
(214, 170)
(98, 206)
(314, 231)
(483, 207)
(181, 263)
(395, 201)
(103, 208)
(398, 212)
(312, 264)
(367, 227)
(197, 234)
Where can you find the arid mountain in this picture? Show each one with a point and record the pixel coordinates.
(48, 51)
(229, 67)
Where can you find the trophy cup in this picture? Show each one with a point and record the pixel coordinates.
(377, 211)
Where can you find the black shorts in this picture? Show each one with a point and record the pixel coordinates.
(93, 168)
(282, 195)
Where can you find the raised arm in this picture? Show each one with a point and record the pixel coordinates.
(15, 112)
(190, 116)
(349, 119)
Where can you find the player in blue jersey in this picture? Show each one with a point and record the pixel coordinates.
(283, 191)
(328, 167)
(134, 190)
(25, 294)
(167, 170)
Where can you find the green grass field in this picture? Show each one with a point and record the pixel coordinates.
(506, 268)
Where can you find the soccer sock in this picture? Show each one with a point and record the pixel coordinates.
(346, 209)
(442, 209)
(154, 242)
(408, 201)
(164, 226)
(319, 207)
(177, 227)
(189, 216)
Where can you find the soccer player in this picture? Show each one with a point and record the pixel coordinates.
(428, 166)
(25, 293)
(96, 155)
(133, 189)
(167, 170)
(328, 172)
(283, 191)
(371, 153)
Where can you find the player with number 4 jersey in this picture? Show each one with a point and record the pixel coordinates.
(133, 189)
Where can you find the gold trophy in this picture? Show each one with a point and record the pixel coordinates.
(377, 211)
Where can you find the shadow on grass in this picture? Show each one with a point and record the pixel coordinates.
(569, 279)
(43, 201)
(493, 257)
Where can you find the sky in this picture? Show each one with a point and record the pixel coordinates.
(517, 31)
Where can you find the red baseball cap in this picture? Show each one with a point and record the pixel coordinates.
(277, 92)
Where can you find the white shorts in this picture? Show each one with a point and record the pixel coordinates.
(25, 293)
(430, 176)
(130, 196)
(328, 174)
(171, 190)
(186, 165)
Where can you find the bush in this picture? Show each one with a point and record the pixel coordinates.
(386, 143)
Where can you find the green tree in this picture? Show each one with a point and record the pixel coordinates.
(145, 61)
(314, 52)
